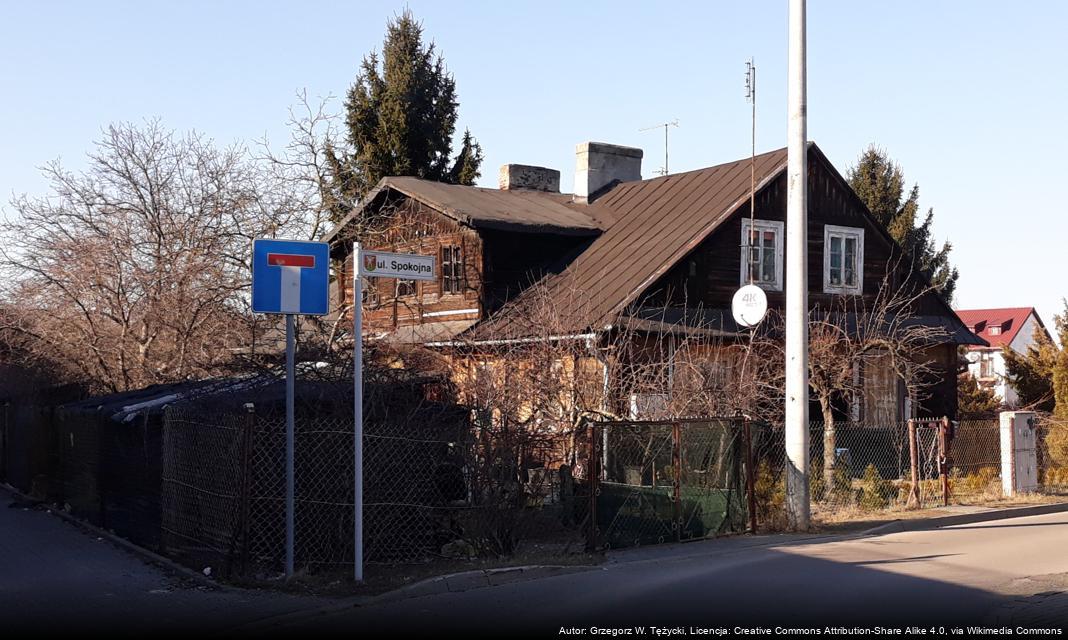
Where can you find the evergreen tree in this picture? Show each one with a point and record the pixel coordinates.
(974, 401)
(400, 116)
(880, 183)
(1040, 376)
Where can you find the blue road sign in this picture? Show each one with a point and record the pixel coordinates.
(290, 276)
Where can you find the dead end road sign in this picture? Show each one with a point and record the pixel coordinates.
(290, 277)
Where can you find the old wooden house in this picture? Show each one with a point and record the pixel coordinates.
(622, 251)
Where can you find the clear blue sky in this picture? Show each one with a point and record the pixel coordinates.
(969, 97)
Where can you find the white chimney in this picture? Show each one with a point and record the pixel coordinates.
(598, 164)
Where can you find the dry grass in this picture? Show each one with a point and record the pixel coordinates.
(847, 518)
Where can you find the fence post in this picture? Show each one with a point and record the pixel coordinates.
(943, 458)
(593, 475)
(750, 495)
(676, 472)
(914, 500)
(246, 450)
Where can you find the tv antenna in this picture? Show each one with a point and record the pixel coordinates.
(663, 171)
(750, 97)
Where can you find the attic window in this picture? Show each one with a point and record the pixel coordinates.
(843, 259)
(995, 330)
(761, 261)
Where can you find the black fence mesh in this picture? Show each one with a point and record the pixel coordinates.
(668, 481)
(435, 487)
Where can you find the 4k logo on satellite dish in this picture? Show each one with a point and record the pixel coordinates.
(749, 305)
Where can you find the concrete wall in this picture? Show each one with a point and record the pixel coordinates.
(597, 164)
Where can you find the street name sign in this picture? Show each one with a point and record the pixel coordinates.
(290, 277)
(407, 266)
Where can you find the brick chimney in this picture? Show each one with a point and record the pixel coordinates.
(598, 164)
(523, 176)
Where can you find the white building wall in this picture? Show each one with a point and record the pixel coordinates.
(1024, 339)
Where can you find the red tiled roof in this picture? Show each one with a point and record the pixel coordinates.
(1009, 321)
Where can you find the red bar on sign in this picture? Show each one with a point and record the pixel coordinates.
(290, 260)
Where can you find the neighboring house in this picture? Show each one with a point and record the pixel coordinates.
(630, 252)
(1013, 328)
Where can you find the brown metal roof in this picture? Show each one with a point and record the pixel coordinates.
(657, 223)
(513, 210)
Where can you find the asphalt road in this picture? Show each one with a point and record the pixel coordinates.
(1008, 572)
(54, 578)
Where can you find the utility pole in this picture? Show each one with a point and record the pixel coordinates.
(797, 498)
(674, 123)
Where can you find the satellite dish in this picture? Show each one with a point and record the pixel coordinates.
(749, 305)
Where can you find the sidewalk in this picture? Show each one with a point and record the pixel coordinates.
(56, 577)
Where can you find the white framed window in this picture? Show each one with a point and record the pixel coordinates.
(843, 259)
(761, 260)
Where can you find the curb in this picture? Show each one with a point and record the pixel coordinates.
(477, 579)
(148, 556)
(920, 524)
(451, 583)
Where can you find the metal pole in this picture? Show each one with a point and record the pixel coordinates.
(665, 149)
(797, 498)
(943, 458)
(676, 480)
(915, 499)
(357, 412)
(246, 451)
(750, 478)
(290, 429)
(593, 476)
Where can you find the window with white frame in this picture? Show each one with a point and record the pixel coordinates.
(843, 259)
(761, 263)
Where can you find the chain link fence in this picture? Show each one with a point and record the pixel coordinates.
(437, 485)
(659, 481)
(860, 470)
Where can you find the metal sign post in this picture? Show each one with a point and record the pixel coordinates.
(379, 264)
(290, 277)
(357, 409)
(291, 428)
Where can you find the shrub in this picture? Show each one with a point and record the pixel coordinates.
(1056, 437)
(770, 495)
(817, 486)
(842, 479)
(985, 480)
(875, 492)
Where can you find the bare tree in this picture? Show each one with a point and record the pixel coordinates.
(136, 270)
(854, 337)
